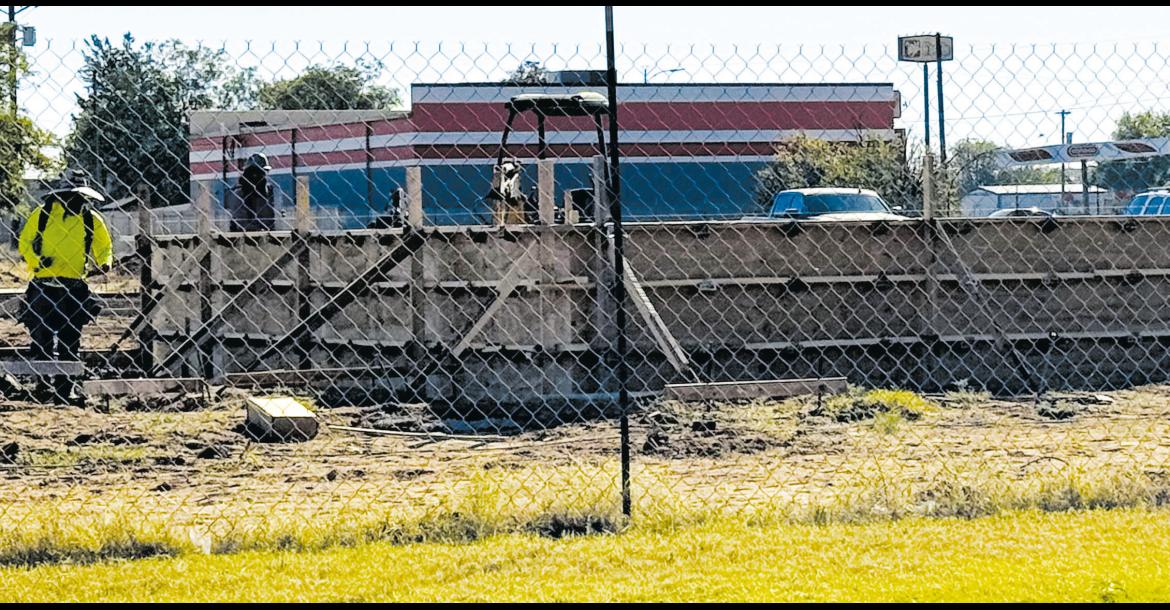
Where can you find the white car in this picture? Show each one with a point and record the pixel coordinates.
(830, 204)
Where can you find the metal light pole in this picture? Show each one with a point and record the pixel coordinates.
(1063, 114)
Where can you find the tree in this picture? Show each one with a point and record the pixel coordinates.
(132, 125)
(330, 88)
(22, 143)
(1136, 175)
(528, 73)
(880, 165)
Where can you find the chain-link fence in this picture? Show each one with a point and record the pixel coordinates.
(807, 313)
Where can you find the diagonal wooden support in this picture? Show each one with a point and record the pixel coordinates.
(662, 335)
(505, 289)
(194, 338)
(412, 242)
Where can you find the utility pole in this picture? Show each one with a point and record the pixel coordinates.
(1063, 114)
(926, 101)
(13, 59)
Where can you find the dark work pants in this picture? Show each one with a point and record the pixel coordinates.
(66, 340)
(55, 311)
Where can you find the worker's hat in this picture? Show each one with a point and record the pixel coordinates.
(72, 181)
(259, 160)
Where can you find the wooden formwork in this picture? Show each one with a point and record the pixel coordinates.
(523, 313)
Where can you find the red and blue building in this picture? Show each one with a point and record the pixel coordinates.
(688, 151)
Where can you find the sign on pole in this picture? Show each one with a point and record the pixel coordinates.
(924, 48)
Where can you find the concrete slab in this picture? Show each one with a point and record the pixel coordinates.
(281, 419)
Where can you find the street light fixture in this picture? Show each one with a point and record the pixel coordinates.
(646, 73)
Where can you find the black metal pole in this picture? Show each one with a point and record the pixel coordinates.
(926, 101)
(619, 263)
(942, 126)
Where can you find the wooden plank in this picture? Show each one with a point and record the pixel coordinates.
(204, 226)
(280, 418)
(667, 344)
(123, 387)
(300, 245)
(414, 202)
(419, 335)
(739, 390)
(42, 368)
(570, 213)
(304, 219)
(507, 286)
(546, 190)
(601, 264)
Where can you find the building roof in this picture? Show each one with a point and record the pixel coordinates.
(206, 123)
(1036, 189)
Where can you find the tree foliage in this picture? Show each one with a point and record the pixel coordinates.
(330, 88)
(528, 72)
(1136, 175)
(880, 165)
(132, 124)
(22, 143)
(975, 166)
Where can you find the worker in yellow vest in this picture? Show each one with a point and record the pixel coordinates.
(63, 240)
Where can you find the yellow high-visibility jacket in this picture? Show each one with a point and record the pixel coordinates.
(64, 242)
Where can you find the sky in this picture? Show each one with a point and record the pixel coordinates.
(1014, 67)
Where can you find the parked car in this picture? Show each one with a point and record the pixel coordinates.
(830, 204)
(1032, 212)
(1150, 203)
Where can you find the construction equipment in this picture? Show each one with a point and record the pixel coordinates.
(507, 199)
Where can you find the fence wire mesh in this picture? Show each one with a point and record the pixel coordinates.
(415, 242)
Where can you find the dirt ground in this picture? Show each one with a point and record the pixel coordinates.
(191, 460)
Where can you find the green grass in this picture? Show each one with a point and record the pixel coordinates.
(496, 502)
(1103, 555)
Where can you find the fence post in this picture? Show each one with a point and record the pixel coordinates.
(144, 246)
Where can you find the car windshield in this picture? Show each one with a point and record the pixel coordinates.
(831, 203)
